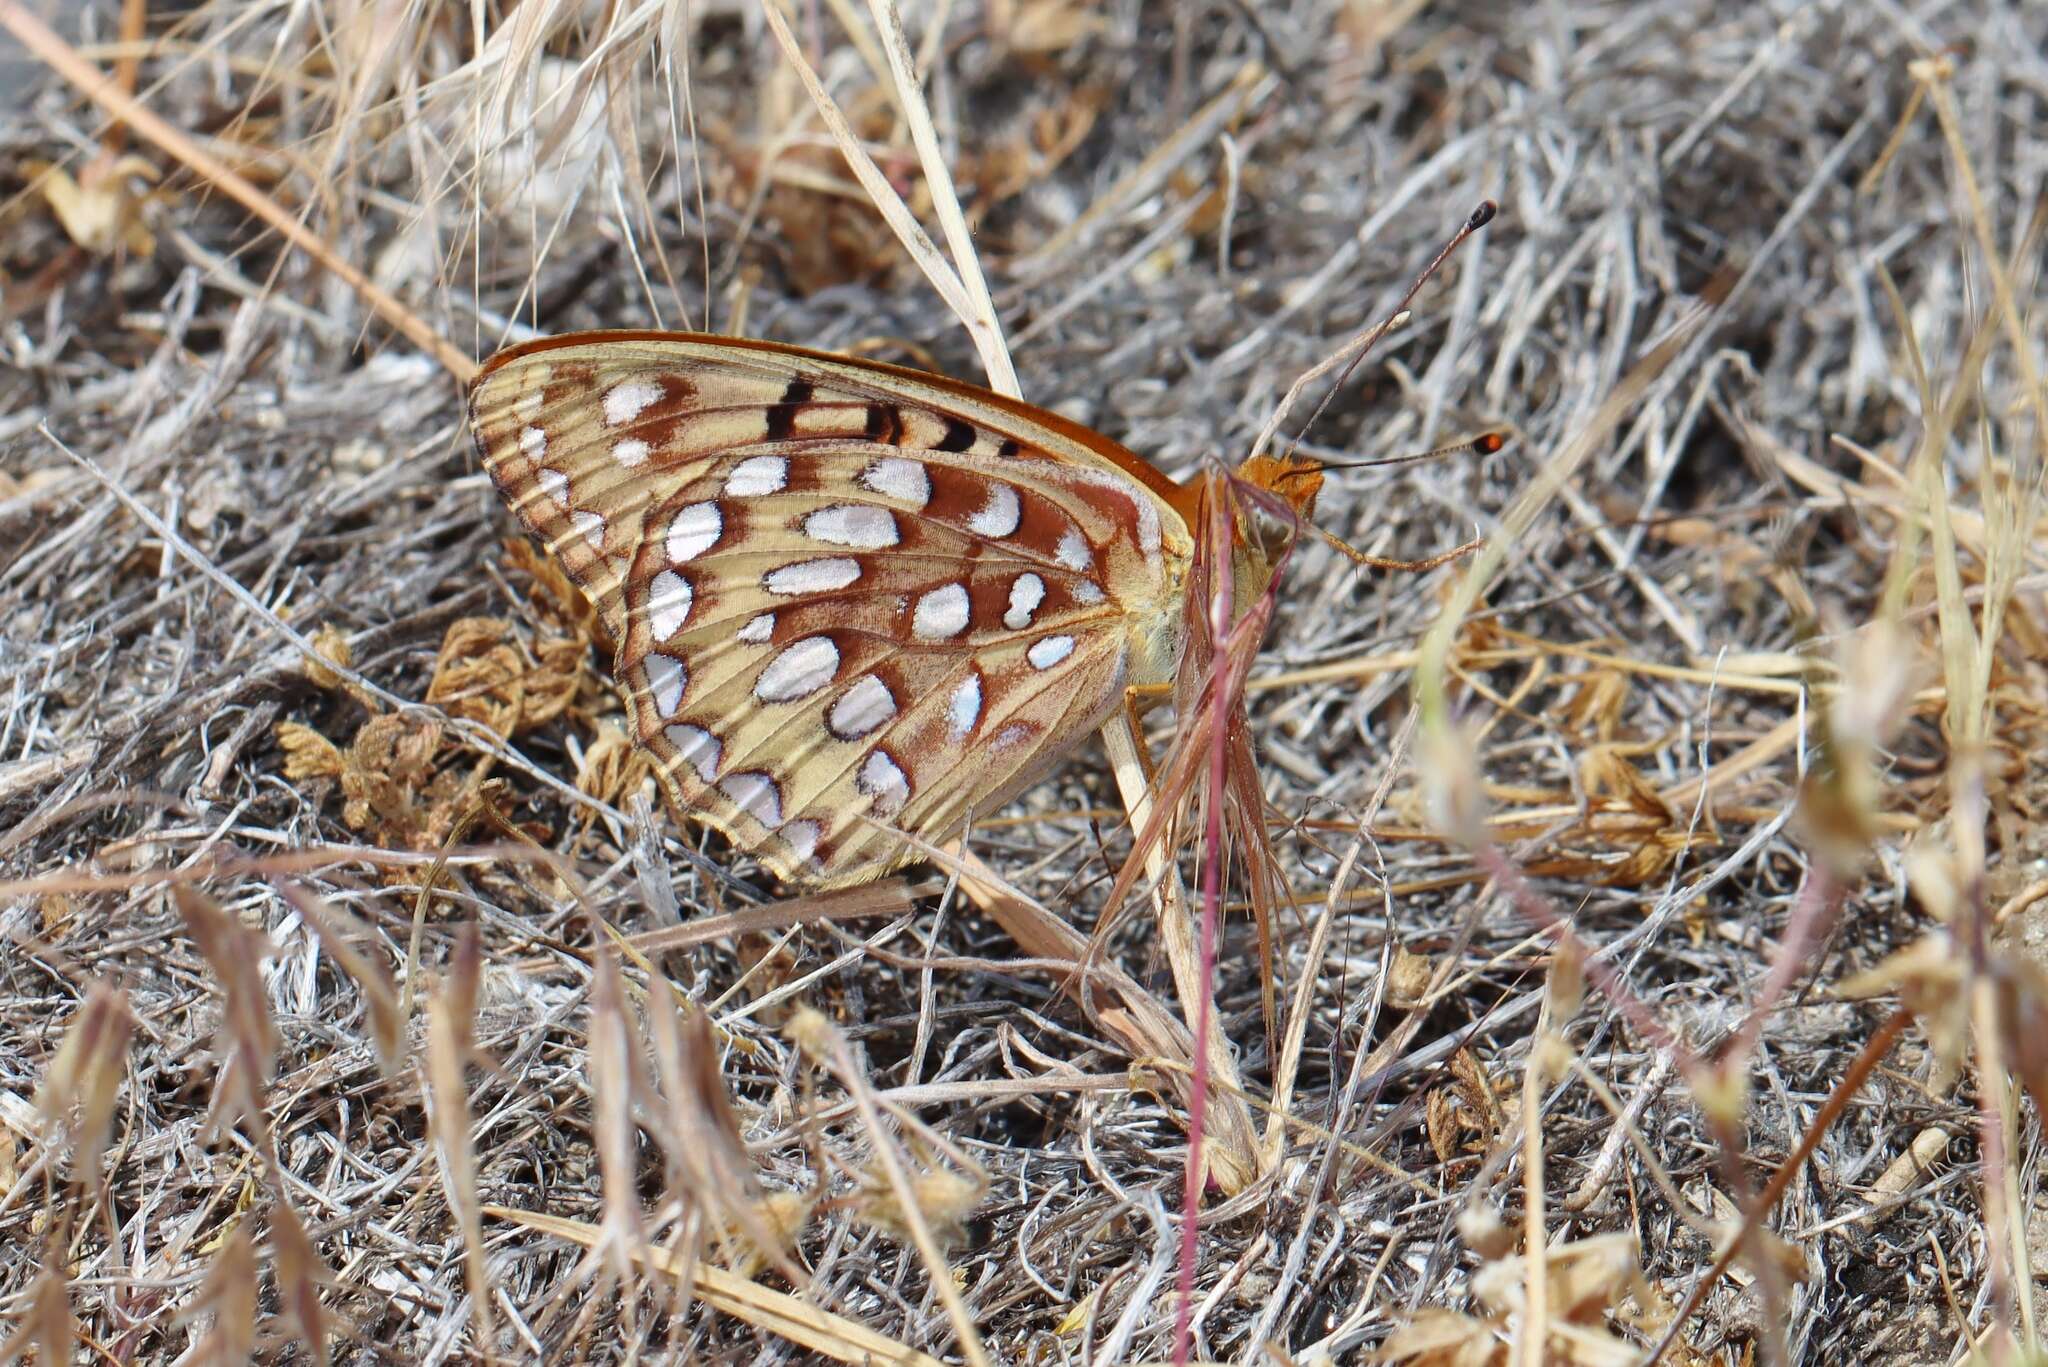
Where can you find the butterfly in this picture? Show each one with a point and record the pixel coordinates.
(852, 600)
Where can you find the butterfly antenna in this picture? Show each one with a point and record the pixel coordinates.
(1485, 444)
(1480, 217)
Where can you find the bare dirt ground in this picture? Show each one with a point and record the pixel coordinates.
(314, 790)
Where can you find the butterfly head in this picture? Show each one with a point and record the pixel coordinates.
(1274, 503)
(1297, 481)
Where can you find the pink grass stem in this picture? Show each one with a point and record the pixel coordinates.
(1220, 696)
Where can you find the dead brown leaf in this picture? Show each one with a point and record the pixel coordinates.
(482, 674)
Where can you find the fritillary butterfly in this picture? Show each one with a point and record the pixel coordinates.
(849, 600)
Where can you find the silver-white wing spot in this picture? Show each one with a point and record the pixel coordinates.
(861, 708)
(859, 525)
(1088, 591)
(882, 779)
(963, 709)
(757, 475)
(1049, 651)
(812, 576)
(757, 630)
(1074, 551)
(1027, 591)
(941, 614)
(898, 477)
(1016, 733)
(666, 679)
(694, 530)
(696, 747)
(590, 526)
(801, 669)
(630, 452)
(556, 485)
(669, 596)
(533, 442)
(624, 401)
(754, 793)
(1000, 515)
(802, 839)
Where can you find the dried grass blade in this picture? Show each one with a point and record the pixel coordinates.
(820, 1039)
(615, 1082)
(380, 998)
(973, 314)
(248, 1035)
(79, 1089)
(300, 1275)
(62, 58)
(710, 1163)
(803, 1324)
(451, 1018)
(984, 324)
(47, 1328)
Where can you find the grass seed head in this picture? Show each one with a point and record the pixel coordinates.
(78, 1092)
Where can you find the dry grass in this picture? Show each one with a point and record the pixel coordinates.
(1664, 882)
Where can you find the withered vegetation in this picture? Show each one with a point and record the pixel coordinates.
(1658, 962)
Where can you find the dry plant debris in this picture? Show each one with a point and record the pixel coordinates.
(355, 999)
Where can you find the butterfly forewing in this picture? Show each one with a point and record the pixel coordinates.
(849, 600)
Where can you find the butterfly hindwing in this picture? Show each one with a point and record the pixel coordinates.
(849, 600)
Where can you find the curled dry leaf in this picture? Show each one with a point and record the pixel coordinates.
(390, 785)
(307, 753)
(1629, 834)
(1585, 1283)
(1408, 978)
(101, 210)
(1466, 1116)
(1045, 27)
(330, 644)
(553, 599)
(483, 674)
(822, 221)
(1006, 166)
(613, 766)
